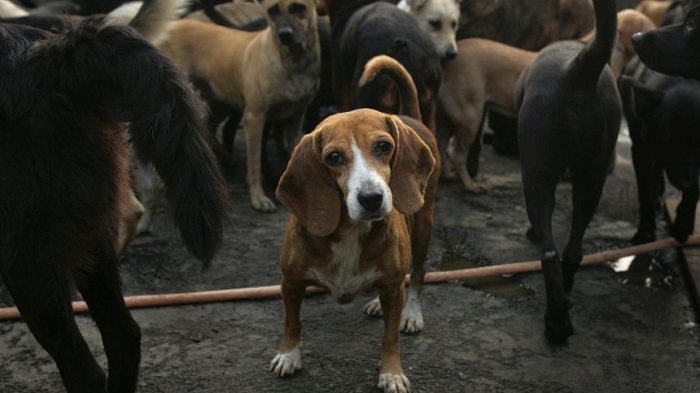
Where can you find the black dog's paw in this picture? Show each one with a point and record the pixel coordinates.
(681, 232)
(642, 237)
(558, 327)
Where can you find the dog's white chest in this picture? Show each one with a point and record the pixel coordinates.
(344, 279)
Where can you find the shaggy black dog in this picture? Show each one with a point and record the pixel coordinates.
(569, 116)
(65, 100)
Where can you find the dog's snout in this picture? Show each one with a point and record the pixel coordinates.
(451, 54)
(636, 39)
(370, 200)
(285, 33)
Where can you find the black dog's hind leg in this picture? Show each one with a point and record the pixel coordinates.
(587, 187)
(41, 291)
(121, 335)
(540, 204)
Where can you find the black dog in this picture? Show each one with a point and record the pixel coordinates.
(674, 49)
(665, 113)
(568, 117)
(65, 99)
(363, 29)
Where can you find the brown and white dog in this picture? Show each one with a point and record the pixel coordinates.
(487, 74)
(271, 75)
(438, 18)
(361, 190)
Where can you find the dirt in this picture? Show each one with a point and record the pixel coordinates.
(632, 334)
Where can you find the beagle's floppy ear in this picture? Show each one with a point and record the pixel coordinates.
(307, 189)
(411, 167)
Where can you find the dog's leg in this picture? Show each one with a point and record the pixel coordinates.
(391, 376)
(445, 136)
(288, 358)
(253, 123)
(587, 186)
(684, 223)
(42, 294)
(412, 316)
(121, 335)
(150, 189)
(646, 186)
(468, 136)
(540, 204)
(130, 214)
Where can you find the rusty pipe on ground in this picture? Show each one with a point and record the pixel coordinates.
(270, 291)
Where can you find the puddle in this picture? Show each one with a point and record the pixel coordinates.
(499, 286)
(643, 271)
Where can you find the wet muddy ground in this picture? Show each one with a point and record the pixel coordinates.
(635, 330)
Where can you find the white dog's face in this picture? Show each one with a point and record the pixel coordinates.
(438, 18)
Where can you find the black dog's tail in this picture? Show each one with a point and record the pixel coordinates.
(408, 95)
(587, 66)
(111, 74)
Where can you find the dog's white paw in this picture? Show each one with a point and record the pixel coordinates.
(374, 308)
(394, 383)
(263, 204)
(412, 316)
(286, 363)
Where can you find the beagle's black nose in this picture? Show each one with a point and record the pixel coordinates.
(370, 200)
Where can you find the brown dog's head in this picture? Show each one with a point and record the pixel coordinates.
(293, 23)
(366, 161)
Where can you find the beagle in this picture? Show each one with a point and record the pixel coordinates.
(361, 190)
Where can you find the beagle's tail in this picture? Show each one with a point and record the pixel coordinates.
(113, 75)
(589, 63)
(408, 95)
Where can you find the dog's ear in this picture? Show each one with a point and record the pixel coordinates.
(411, 167)
(307, 189)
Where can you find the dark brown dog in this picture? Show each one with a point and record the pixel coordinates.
(361, 190)
(270, 75)
(525, 24)
(64, 177)
(568, 118)
(363, 29)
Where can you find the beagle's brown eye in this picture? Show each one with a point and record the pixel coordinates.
(334, 158)
(382, 148)
(435, 24)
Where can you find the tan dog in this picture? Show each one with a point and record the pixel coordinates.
(361, 190)
(438, 18)
(270, 75)
(654, 9)
(486, 72)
